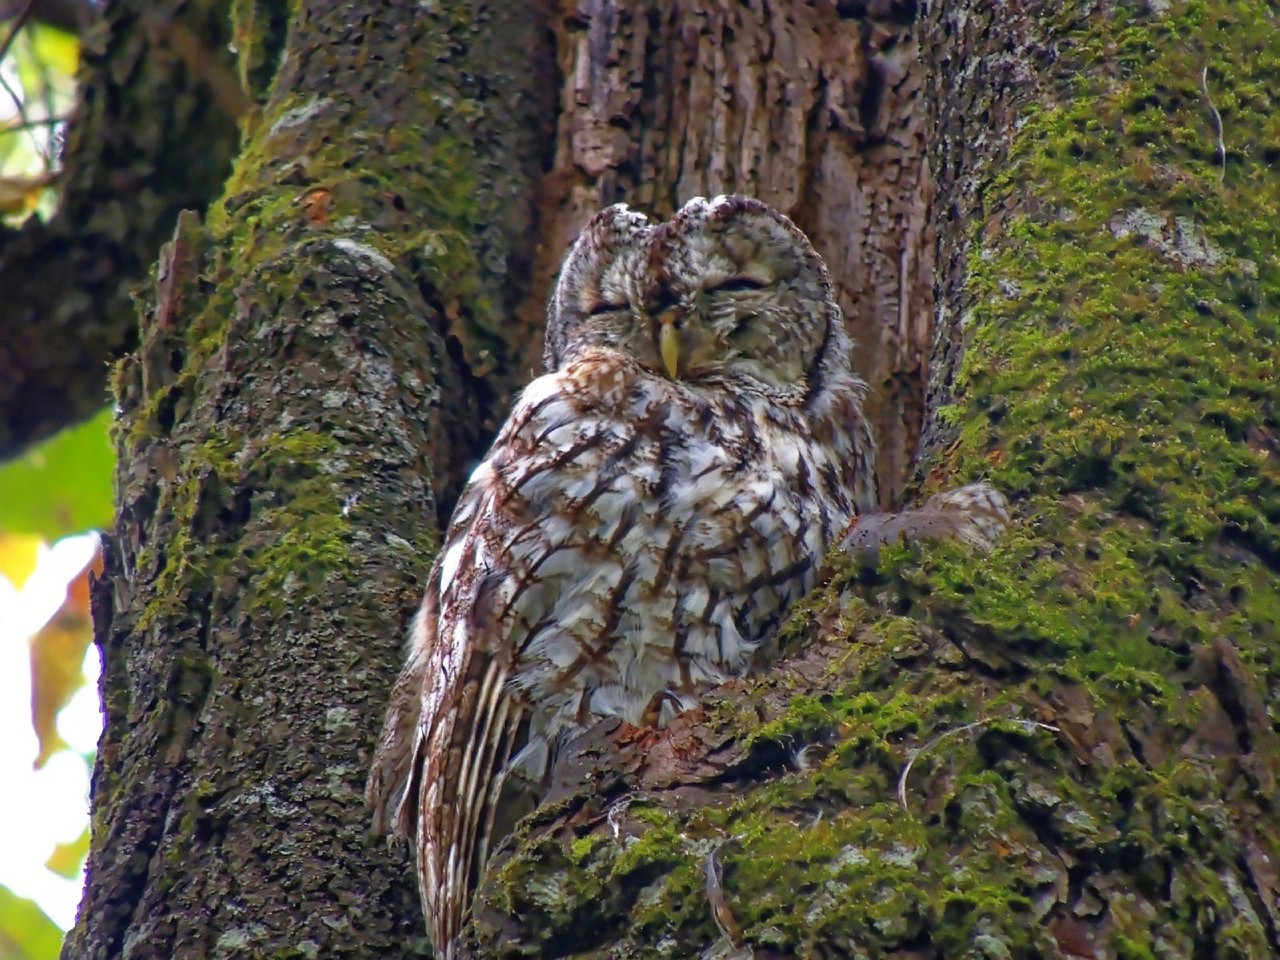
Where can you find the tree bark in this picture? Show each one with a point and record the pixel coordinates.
(1064, 749)
(305, 397)
(148, 137)
(1067, 749)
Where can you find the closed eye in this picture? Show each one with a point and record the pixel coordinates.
(735, 284)
(600, 309)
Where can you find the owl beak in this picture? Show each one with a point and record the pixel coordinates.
(669, 343)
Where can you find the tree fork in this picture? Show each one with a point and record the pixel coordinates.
(1063, 749)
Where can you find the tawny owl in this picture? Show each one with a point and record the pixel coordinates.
(644, 518)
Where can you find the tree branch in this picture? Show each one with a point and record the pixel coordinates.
(73, 16)
(145, 141)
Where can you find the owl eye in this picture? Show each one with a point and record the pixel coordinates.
(735, 284)
(600, 309)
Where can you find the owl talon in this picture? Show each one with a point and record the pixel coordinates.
(977, 514)
(652, 716)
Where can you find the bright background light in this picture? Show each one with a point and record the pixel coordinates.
(42, 808)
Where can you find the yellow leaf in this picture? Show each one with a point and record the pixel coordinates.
(67, 858)
(22, 194)
(57, 654)
(18, 555)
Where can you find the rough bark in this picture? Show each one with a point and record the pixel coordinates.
(1065, 749)
(148, 137)
(1069, 748)
(300, 408)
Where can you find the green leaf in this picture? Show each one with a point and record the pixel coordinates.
(56, 49)
(67, 858)
(62, 486)
(26, 933)
(46, 60)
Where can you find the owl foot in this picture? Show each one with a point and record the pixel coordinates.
(977, 514)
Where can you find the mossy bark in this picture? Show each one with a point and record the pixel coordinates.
(307, 392)
(1066, 748)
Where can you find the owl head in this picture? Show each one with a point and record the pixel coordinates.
(728, 291)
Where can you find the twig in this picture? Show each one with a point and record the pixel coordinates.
(47, 148)
(41, 147)
(1217, 124)
(19, 22)
(25, 124)
(720, 911)
(33, 124)
(18, 104)
(906, 771)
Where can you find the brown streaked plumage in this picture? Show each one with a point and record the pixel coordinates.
(650, 509)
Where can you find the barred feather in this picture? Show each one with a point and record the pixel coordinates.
(632, 537)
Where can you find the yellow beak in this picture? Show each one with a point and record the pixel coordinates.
(669, 344)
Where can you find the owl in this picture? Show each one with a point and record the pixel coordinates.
(650, 509)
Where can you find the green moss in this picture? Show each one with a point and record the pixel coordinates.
(1133, 370)
(414, 200)
(1123, 326)
(296, 533)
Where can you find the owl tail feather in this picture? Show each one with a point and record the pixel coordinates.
(460, 800)
(390, 792)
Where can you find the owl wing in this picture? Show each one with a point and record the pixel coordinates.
(394, 762)
(469, 723)
(451, 723)
(454, 722)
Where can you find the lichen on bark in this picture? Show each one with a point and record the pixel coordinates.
(286, 449)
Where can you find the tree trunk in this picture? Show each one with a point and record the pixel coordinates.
(1066, 749)
(1069, 748)
(303, 404)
